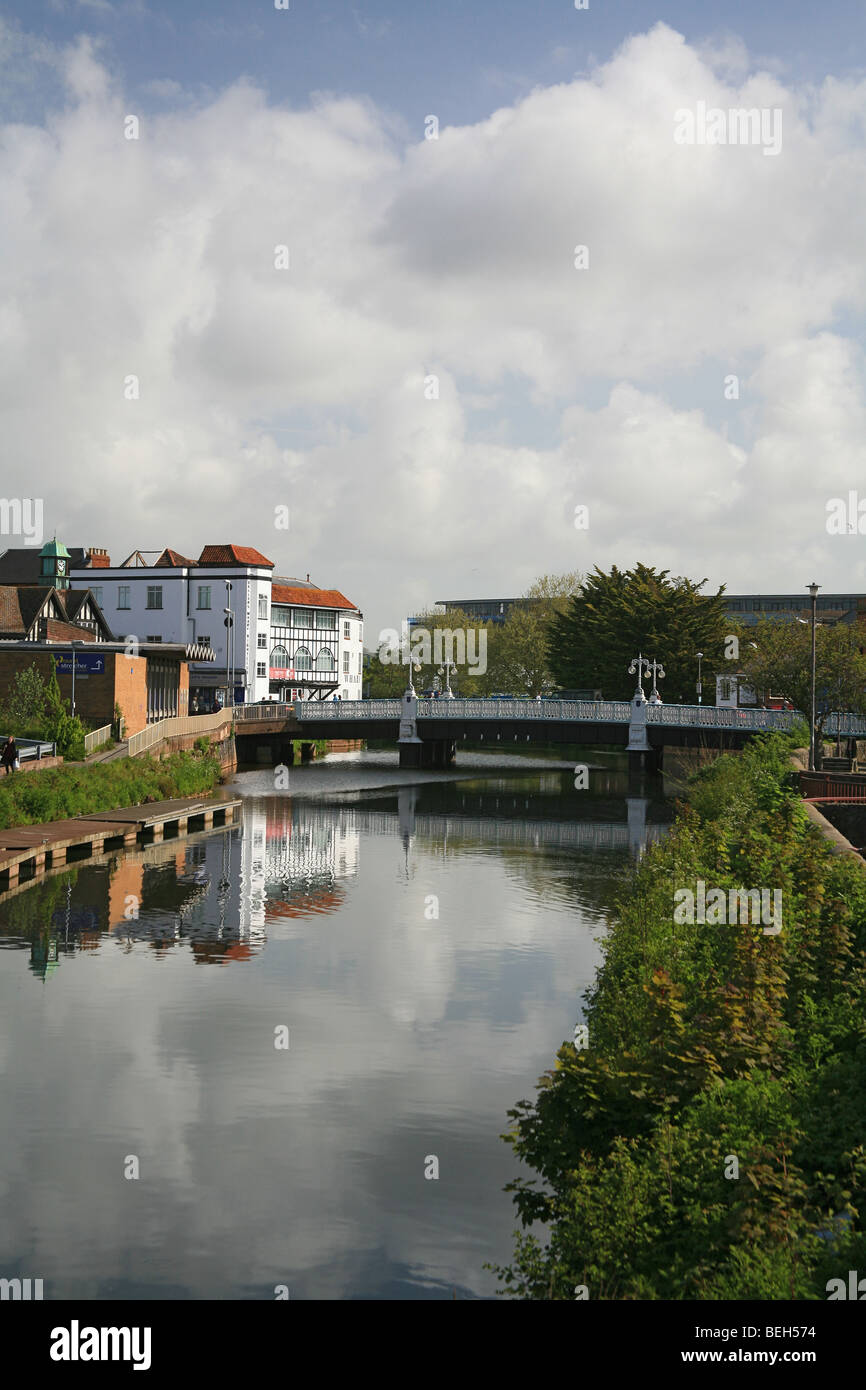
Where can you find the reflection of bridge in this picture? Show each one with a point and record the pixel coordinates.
(427, 731)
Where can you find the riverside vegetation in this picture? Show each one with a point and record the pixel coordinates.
(72, 790)
(708, 1142)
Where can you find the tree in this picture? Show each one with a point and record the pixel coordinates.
(776, 657)
(25, 702)
(63, 728)
(617, 615)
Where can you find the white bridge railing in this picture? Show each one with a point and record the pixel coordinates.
(545, 711)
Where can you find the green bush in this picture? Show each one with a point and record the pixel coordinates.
(60, 792)
(707, 1043)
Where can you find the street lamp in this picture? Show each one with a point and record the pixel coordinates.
(641, 665)
(229, 622)
(73, 680)
(445, 670)
(700, 657)
(813, 590)
(658, 671)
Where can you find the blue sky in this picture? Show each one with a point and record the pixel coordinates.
(448, 261)
(461, 58)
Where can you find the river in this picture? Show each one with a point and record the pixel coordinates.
(280, 1055)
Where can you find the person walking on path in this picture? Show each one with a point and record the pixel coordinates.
(9, 756)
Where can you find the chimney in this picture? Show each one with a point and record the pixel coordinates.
(308, 579)
(99, 559)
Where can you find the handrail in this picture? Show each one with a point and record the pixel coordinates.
(175, 727)
(95, 738)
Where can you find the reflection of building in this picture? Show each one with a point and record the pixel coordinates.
(291, 860)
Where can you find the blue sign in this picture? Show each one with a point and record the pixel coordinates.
(86, 663)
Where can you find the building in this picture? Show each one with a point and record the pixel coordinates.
(148, 684)
(170, 598)
(35, 614)
(317, 642)
(482, 610)
(750, 609)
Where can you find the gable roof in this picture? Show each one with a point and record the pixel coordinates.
(233, 555)
(172, 559)
(20, 606)
(310, 598)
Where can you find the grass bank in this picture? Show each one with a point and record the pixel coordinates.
(705, 1138)
(75, 789)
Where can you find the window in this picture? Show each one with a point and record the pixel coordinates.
(123, 595)
(262, 641)
(204, 641)
(154, 639)
(263, 606)
(725, 688)
(303, 617)
(303, 661)
(325, 620)
(261, 668)
(360, 663)
(347, 631)
(280, 658)
(97, 594)
(345, 663)
(154, 595)
(204, 595)
(280, 616)
(325, 661)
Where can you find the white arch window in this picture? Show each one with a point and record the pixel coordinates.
(325, 661)
(303, 660)
(280, 658)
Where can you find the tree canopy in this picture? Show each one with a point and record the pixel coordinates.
(777, 658)
(617, 615)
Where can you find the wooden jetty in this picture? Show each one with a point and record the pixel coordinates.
(40, 847)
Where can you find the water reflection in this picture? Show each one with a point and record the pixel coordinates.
(410, 1034)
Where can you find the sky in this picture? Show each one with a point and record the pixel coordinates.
(324, 258)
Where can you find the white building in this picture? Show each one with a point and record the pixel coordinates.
(317, 642)
(171, 598)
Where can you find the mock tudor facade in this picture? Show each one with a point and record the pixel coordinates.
(317, 642)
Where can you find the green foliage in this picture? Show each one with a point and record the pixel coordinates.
(617, 615)
(60, 792)
(63, 728)
(708, 1043)
(24, 704)
(777, 658)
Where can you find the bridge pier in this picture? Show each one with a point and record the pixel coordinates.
(430, 752)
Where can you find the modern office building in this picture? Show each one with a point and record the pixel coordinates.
(750, 609)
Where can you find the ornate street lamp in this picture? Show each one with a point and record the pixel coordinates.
(445, 670)
(641, 666)
(700, 657)
(658, 672)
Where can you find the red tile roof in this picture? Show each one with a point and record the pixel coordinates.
(310, 598)
(172, 559)
(233, 555)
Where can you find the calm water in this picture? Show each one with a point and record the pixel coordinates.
(410, 1035)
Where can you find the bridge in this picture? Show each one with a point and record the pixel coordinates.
(427, 732)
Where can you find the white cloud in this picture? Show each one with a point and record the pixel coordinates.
(409, 257)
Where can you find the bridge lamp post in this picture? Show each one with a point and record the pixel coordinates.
(813, 592)
(445, 671)
(700, 657)
(658, 671)
(641, 665)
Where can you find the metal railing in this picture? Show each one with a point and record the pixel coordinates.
(349, 709)
(177, 726)
(30, 749)
(97, 737)
(273, 709)
(851, 725)
(719, 717)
